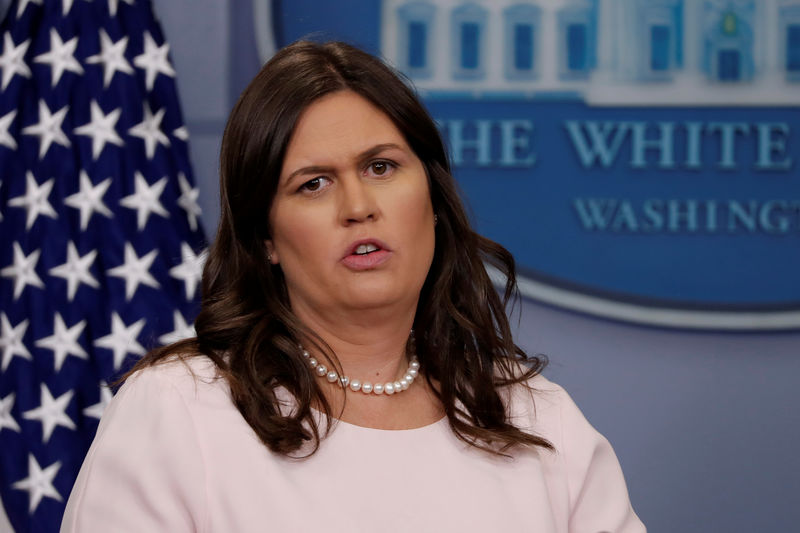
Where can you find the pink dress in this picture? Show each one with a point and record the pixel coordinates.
(173, 454)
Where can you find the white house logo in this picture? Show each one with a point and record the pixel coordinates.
(607, 52)
(638, 157)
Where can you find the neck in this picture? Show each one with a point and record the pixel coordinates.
(370, 345)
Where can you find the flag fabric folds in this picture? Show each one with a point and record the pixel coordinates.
(101, 247)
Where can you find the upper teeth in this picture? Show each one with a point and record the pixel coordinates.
(366, 248)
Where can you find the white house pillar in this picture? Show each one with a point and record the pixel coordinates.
(604, 71)
(771, 39)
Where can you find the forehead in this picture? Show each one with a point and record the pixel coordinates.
(339, 125)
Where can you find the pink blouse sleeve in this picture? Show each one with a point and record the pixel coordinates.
(598, 496)
(144, 470)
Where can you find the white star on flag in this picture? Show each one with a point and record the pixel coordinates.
(135, 270)
(23, 4)
(153, 61)
(146, 199)
(6, 139)
(12, 60)
(188, 200)
(60, 57)
(48, 129)
(181, 330)
(190, 270)
(112, 56)
(6, 419)
(39, 483)
(122, 339)
(181, 133)
(67, 6)
(51, 412)
(76, 270)
(89, 199)
(149, 130)
(35, 199)
(11, 341)
(114, 4)
(97, 410)
(101, 128)
(64, 341)
(23, 270)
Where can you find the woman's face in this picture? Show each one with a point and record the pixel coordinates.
(352, 224)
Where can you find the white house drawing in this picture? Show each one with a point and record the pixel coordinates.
(607, 52)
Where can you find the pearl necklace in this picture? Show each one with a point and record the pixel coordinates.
(390, 387)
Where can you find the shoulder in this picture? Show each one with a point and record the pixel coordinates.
(187, 376)
(149, 452)
(545, 408)
(186, 387)
(536, 403)
(583, 471)
(180, 369)
(175, 387)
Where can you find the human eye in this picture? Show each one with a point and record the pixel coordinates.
(381, 167)
(314, 185)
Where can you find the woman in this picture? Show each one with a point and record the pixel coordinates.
(353, 367)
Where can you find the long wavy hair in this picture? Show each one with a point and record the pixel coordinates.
(246, 324)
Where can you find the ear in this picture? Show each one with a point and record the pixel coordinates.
(272, 255)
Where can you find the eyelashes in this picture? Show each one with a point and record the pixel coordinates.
(314, 184)
(379, 168)
(382, 167)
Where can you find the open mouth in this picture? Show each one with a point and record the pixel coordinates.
(364, 249)
(367, 255)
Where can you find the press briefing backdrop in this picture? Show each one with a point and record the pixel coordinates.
(704, 421)
(641, 159)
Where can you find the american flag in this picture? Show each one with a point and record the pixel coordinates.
(101, 247)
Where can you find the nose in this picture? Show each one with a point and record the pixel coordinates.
(357, 201)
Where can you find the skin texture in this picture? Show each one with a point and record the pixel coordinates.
(348, 176)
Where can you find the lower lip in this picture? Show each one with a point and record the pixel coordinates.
(366, 261)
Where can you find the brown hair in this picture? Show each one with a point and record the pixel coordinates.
(246, 325)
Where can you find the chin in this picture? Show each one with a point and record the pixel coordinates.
(375, 298)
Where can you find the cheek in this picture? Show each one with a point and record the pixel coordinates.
(418, 204)
(293, 232)
(416, 213)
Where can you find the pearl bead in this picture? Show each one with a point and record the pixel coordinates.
(389, 388)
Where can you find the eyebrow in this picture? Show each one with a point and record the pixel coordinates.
(366, 154)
